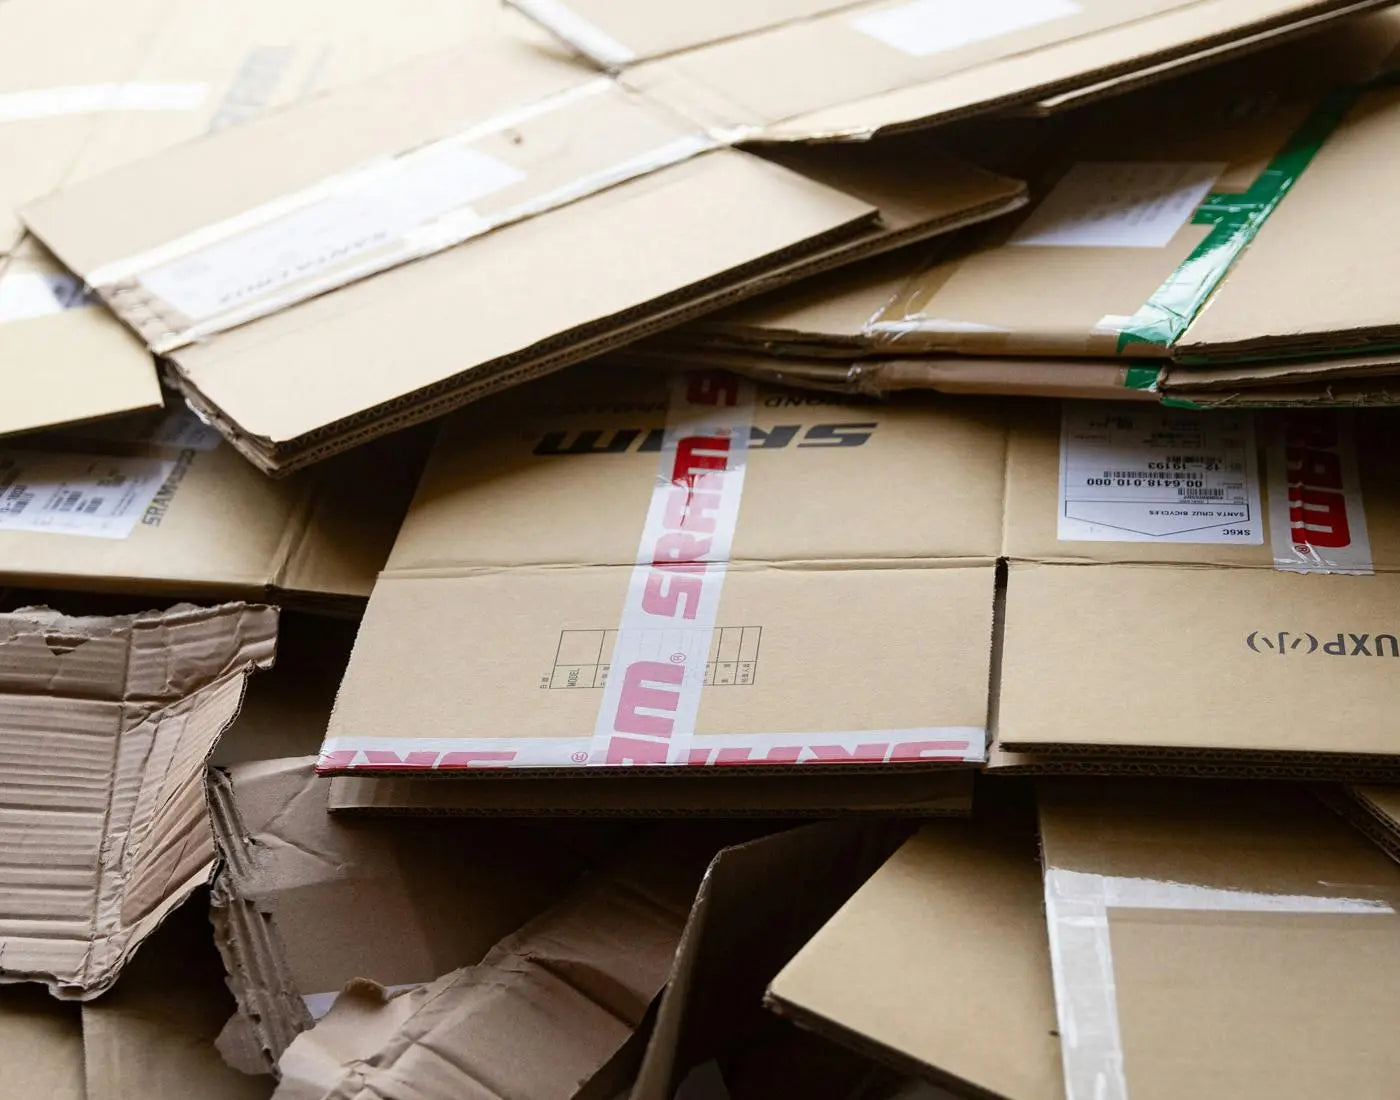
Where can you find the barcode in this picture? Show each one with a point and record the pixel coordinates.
(66, 501)
(91, 505)
(1200, 494)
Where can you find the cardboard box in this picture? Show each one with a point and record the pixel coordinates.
(1196, 929)
(824, 69)
(776, 613)
(531, 195)
(108, 724)
(157, 504)
(41, 1040)
(80, 95)
(919, 794)
(1210, 588)
(946, 936)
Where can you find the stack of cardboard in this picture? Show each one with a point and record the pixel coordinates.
(477, 620)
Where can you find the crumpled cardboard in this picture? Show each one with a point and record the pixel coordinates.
(108, 724)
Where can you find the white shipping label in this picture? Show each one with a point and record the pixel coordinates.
(1317, 519)
(27, 294)
(923, 27)
(69, 494)
(83, 99)
(1119, 204)
(1132, 473)
(366, 211)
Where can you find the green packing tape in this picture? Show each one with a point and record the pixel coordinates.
(1234, 220)
(1141, 378)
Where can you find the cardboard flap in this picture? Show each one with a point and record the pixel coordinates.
(549, 1008)
(64, 359)
(944, 937)
(900, 64)
(1333, 303)
(41, 1041)
(128, 709)
(1196, 928)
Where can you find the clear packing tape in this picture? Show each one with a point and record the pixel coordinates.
(379, 215)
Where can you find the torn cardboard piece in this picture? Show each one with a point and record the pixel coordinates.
(541, 187)
(824, 69)
(776, 613)
(291, 871)
(921, 794)
(944, 937)
(159, 505)
(548, 1012)
(153, 1035)
(1196, 928)
(108, 725)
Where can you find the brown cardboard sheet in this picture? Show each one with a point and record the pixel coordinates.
(1373, 809)
(153, 1035)
(41, 1041)
(543, 200)
(291, 871)
(108, 724)
(823, 69)
(1196, 931)
(758, 903)
(920, 794)
(1253, 632)
(158, 504)
(945, 937)
(809, 645)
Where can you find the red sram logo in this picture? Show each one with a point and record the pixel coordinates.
(1317, 503)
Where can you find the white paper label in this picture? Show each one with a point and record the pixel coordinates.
(26, 294)
(1317, 520)
(923, 27)
(83, 99)
(368, 210)
(1132, 473)
(1119, 204)
(94, 495)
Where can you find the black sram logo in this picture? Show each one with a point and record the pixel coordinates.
(615, 441)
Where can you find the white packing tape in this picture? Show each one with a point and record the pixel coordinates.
(83, 99)
(1077, 906)
(591, 41)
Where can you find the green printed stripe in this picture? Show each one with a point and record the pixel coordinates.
(1234, 220)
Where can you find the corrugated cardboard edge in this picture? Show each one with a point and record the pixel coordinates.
(1359, 810)
(271, 1012)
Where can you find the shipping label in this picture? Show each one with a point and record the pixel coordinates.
(1132, 473)
(1317, 521)
(94, 495)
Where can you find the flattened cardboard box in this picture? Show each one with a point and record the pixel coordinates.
(828, 69)
(946, 936)
(922, 794)
(1208, 586)
(1375, 810)
(1218, 940)
(730, 575)
(531, 193)
(157, 504)
(108, 724)
(80, 96)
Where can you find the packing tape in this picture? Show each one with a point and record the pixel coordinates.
(28, 294)
(1234, 219)
(350, 226)
(1077, 906)
(83, 99)
(1317, 519)
(561, 20)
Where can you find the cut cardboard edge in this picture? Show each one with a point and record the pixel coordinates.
(280, 457)
(1358, 807)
